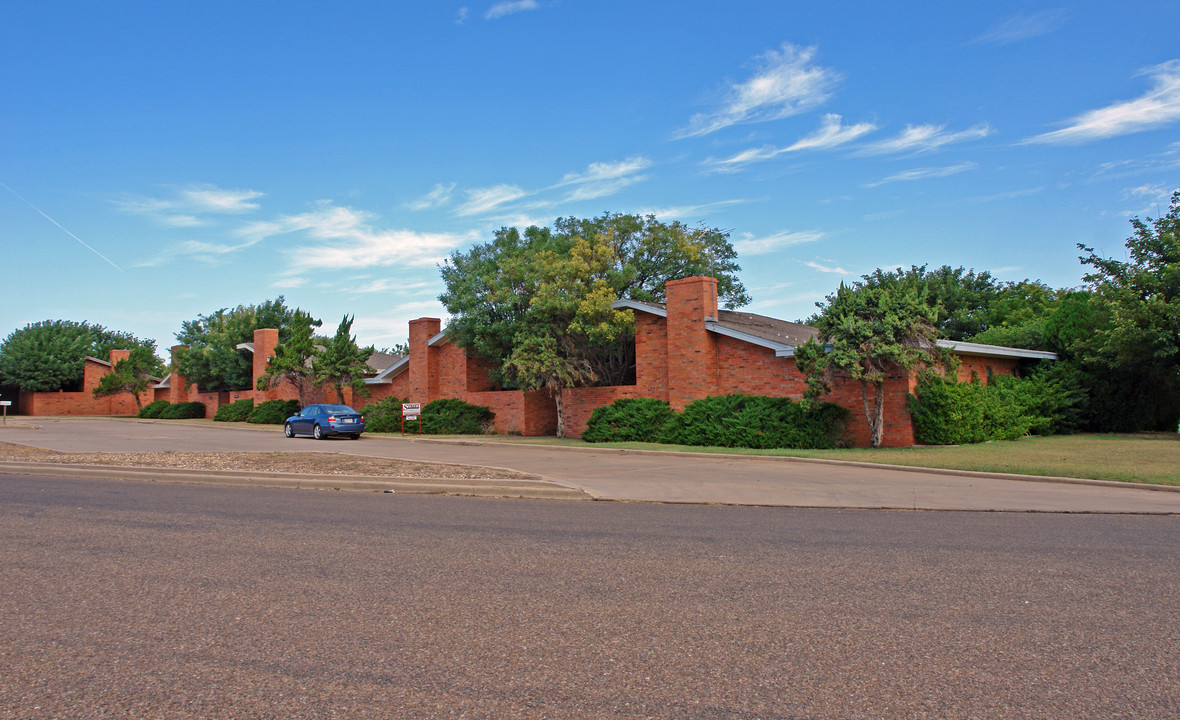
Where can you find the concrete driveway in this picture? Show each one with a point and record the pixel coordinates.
(635, 476)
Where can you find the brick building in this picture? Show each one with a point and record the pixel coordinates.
(685, 349)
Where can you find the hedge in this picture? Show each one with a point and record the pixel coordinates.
(736, 420)
(447, 416)
(236, 411)
(153, 409)
(757, 421)
(183, 411)
(948, 412)
(273, 412)
(628, 420)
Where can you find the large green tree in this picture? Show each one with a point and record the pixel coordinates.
(293, 359)
(1142, 297)
(132, 375)
(49, 356)
(341, 363)
(867, 331)
(537, 303)
(212, 360)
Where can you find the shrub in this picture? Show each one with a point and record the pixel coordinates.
(757, 421)
(183, 411)
(948, 412)
(236, 411)
(385, 415)
(449, 416)
(273, 412)
(628, 420)
(153, 409)
(440, 417)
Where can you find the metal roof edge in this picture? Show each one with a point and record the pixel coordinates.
(640, 306)
(969, 348)
(780, 349)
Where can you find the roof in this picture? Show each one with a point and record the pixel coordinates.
(783, 336)
(380, 361)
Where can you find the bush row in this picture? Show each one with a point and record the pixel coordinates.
(736, 420)
(271, 412)
(440, 417)
(948, 412)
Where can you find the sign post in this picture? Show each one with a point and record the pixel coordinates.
(412, 411)
(5, 404)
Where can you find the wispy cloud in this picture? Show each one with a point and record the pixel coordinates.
(438, 196)
(750, 244)
(837, 270)
(924, 173)
(832, 133)
(484, 200)
(1158, 107)
(461, 15)
(602, 179)
(509, 7)
(1024, 27)
(785, 83)
(1156, 198)
(917, 139)
(680, 212)
(188, 204)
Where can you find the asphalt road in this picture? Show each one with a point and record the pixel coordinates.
(141, 600)
(658, 477)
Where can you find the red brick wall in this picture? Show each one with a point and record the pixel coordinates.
(755, 370)
(651, 355)
(84, 402)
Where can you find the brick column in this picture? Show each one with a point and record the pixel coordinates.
(692, 352)
(424, 369)
(265, 341)
(176, 391)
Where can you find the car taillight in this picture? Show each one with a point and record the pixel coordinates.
(331, 418)
(362, 418)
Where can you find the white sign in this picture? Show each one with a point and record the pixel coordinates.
(5, 402)
(411, 409)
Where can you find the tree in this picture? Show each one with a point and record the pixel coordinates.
(1142, 295)
(866, 331)
(212, 360)
(132, 374)
(49, 356)
(293, 359)
(537, 303)
(341, 363)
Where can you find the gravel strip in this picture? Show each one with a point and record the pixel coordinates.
(280, 462)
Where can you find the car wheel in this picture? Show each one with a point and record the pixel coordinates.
(355, 436)
(317, 433)
(288, 430)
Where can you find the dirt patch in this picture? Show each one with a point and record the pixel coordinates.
(280, 462)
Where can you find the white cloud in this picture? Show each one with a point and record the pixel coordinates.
(679, 212)
(1156, 197)
(484, 200)
(925, 138)
(1023, 27)
(1158, 107)
(461, 15)
(190, 203)
(509, 7)
(345, 239)
(602, 179)
(826, 269)
(832, 133)
(924, 173)
(752, 245)
(438, 196)
(786, 83)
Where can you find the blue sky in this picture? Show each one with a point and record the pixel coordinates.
(162, 160)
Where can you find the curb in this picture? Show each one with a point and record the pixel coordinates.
(526, 489)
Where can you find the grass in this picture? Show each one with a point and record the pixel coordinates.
(1121, 458)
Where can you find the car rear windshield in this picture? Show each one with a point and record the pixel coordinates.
(339, 409)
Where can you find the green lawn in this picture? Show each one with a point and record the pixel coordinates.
(1124, 458)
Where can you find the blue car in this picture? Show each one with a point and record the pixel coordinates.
(322, 421)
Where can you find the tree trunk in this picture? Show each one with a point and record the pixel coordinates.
(874, 415)
(560, 412)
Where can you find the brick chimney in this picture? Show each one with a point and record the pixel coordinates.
(424, 369)
(265, 342)
(692, 351)
(176, 391)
